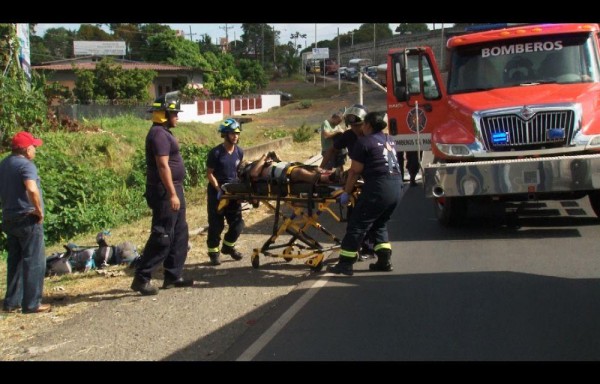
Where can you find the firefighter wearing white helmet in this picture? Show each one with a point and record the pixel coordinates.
(165, 172)
(221, 167)
(353, 118)
(374, 158)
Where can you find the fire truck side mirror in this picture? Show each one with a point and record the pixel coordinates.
(401, 91)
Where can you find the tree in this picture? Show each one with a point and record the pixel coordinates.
(84, 86)
(109, 81)
(206, 45)
(257, 41)
(364, 34)
(297, 35)
(39, 52)
(167, 47)
(405, 28)
(132, 35)
(89, 32)
(290, 62)
(252, 72)
(59, 42)
(23, 105)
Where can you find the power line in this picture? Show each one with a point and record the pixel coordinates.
(226, 28)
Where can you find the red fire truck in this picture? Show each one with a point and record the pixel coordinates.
(518, 118)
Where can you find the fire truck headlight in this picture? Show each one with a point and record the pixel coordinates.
(459, 150)
(469, 186)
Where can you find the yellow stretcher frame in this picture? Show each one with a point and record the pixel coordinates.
(295, 215)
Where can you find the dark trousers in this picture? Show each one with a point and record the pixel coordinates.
(372, 211)
(169, 237)
(412, 162)
(26, 263)
(216, 221)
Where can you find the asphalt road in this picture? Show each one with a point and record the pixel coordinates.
(488, 291)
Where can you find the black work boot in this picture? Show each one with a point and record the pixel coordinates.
(143, 287)
(214, 258)
(231, 251)
(383, 263)
(343, 266)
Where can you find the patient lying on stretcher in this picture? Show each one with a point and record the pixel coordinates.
(270, 168)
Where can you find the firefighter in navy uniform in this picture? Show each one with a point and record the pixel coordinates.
(374, 157)
(165, 172)
(353, 118)
(222, 164)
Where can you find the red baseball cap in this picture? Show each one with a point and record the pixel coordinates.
(25, 139)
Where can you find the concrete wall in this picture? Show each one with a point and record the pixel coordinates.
(378, 54)
(254, 153)
(190, 111)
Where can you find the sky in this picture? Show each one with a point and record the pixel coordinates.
(217, 31)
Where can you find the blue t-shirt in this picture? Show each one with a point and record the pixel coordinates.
(224, 164)
(161, 142)
(377, 152)
(14, 171)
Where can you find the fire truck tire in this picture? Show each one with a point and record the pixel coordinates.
(450, 211)
(594, 197)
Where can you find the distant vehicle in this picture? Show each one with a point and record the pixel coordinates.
(313, 66)
(372, 72)
(352, 74)
(330, 66)
(382, 74)
(284, 95)
(343, 71)
(360, 64)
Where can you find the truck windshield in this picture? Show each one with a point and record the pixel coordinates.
(567, 58)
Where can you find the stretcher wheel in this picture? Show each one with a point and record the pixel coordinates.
(255, 261)
(288, 251)
(317, 268)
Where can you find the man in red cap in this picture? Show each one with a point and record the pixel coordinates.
(22, 221)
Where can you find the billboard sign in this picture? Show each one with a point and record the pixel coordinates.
(24, 49)
(99, 48)
(320, 53)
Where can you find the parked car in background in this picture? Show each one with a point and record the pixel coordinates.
(382, 74)
(343, 71)
(372, 72)
(285, 96)
(352, 74)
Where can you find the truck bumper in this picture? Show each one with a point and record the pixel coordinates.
(518, 176)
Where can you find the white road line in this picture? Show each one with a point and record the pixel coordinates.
(278, 325)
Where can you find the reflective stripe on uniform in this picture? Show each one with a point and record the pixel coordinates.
(227, 243)
(383, 246)
(216, 249)
(344, 253)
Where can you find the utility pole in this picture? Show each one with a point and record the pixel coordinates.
(374, 45)
(190, 34)
(338, 60)
(352, 36)
(274, 45)
(226, 28)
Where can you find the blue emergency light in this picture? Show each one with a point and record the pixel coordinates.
(555, 133)
(500, 137)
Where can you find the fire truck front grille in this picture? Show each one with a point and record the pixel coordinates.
(543, 130)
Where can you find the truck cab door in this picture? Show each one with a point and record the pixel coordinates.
(416, 97)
